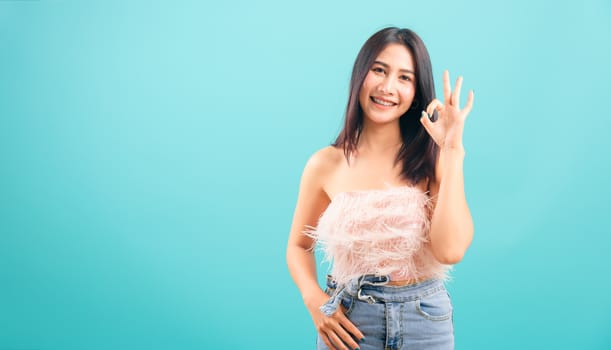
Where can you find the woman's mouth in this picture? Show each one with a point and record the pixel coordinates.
(382, 102)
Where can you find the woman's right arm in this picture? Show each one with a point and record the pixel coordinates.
(311, 202)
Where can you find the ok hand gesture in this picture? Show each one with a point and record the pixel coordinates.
(447, 130)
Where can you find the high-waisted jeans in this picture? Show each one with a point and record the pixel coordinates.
(413, 317)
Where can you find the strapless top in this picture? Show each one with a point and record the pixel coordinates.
(381, 232)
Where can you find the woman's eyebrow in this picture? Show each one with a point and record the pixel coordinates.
(385, 65)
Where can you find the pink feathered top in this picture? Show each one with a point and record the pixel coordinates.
(382, 232)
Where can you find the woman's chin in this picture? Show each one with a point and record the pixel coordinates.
(382, 118)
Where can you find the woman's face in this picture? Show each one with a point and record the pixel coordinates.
(390, 85)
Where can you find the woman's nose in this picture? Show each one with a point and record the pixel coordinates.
(386, 86)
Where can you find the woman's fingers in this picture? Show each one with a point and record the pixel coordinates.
(426, 122)
(435, 104)
(347, 338)
(342, 328)
(455, 99)
(336, 332)
(469, 105)
(452, 98)
(337, 342)
(447, 89)
(325, 339)
(351, 328)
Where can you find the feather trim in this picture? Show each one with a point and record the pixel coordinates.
(383, 232)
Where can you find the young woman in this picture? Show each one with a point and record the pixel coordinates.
(386, 204)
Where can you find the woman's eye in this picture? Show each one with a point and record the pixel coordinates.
(378, 70)
(406, 78)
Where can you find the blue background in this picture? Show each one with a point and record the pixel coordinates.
(150, 155)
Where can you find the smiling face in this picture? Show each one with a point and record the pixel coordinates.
(390, 85)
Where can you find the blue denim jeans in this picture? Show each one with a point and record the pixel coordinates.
(416, 316)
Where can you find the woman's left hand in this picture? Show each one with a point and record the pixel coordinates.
(447, 130)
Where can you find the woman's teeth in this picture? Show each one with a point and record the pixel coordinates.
(383, 103)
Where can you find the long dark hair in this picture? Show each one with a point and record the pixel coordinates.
(418, 152)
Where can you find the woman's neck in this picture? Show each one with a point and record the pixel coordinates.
(380, 138)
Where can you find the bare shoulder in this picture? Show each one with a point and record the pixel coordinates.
(321, 165)
(312, 199)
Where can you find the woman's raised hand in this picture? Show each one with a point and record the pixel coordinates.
(336, 330)
(447, 130)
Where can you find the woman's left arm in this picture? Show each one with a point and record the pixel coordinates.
(451, 230)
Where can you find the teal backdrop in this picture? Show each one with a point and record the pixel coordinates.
(151, 153)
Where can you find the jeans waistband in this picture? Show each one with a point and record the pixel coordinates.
(374, 289)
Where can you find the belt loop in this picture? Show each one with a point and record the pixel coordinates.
(367, 298)
(363, 281)
(352, 287)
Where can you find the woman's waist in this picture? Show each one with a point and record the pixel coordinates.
(383, 288)
(386, 280)
(400, 273)
(402, 278)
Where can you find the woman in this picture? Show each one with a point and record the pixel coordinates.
(386, 203)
